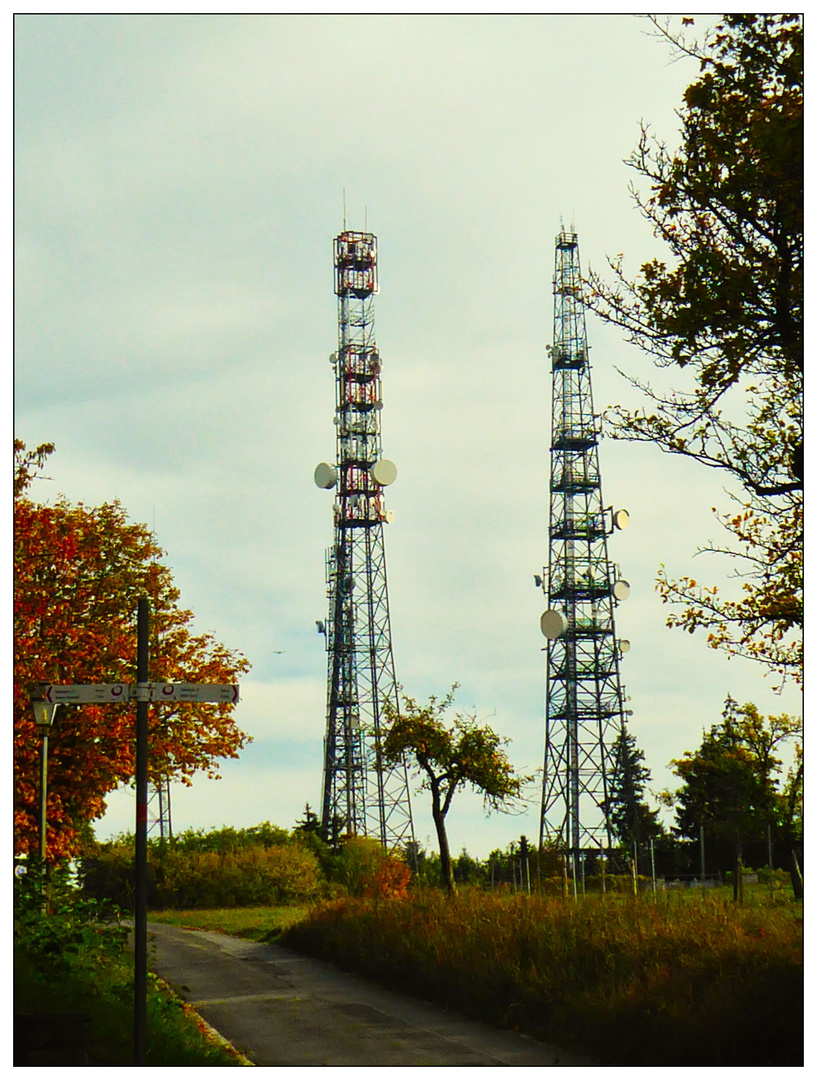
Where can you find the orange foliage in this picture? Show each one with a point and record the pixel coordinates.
(79, 572)
(390, 882)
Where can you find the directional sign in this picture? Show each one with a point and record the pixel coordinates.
(106, 693)
(222, 693)
(98, 694)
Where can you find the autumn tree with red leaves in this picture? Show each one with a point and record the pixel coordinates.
(79, 572)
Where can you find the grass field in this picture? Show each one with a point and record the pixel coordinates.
(254, 923)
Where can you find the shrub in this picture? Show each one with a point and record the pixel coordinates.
(228, 839)
(189, 875)
(56, 928)
(390, 882)
(365, 869)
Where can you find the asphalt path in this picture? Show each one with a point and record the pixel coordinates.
(280, 1008)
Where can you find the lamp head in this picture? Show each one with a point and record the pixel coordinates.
(43, 710)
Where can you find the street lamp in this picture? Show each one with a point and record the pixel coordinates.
(43, 717)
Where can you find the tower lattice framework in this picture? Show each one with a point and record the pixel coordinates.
(361, 795)
(584, 698)
(159, 819)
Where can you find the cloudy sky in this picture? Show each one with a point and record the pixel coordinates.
(179, 180)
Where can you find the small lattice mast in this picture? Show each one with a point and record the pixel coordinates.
(159, 809)
(361, 796)
(584, 697)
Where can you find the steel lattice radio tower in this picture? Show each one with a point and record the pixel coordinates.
(361, 796)
(584, 698)
(159, 809)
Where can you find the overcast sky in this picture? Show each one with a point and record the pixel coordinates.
(179, 180)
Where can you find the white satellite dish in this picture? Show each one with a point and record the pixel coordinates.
(623, 645)
(388, 517)
(326, 476)
(333, 359)
(553, 624)
(621, 589)
(383, 472)
(621, 519)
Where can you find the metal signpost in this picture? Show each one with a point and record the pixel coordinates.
(155, 693)
(143, 693)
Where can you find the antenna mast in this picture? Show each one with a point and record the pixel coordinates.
(584, 698)
(361, 796)
(159, 809)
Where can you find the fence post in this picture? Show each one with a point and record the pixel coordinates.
(635, 869)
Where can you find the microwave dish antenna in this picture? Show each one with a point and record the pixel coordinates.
(326, 475)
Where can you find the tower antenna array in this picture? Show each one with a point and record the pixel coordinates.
(361, 795)
(584, 698)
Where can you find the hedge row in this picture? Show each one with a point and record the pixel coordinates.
(184, 878)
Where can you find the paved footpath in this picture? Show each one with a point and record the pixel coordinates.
(280, 1008)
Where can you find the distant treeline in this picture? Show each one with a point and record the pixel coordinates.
(266, 865)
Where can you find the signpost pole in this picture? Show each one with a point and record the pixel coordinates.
(140, 853)
(49, 696)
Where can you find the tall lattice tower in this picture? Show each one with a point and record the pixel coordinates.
(584, 698)
(360, 795)
(159, 809)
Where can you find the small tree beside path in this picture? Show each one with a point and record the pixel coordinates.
(449, 756)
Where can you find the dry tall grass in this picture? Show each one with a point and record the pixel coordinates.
(664, 980)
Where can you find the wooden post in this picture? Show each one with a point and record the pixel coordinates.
(737, 891)
(635, 868)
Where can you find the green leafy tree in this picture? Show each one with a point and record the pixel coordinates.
(793, 798)
(731, 785)
(425, 865)
(467, 870)
(309, 835)
(450, 756)
(726, 309)
(632, 820)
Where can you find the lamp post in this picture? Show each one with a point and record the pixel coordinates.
(43, 717)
